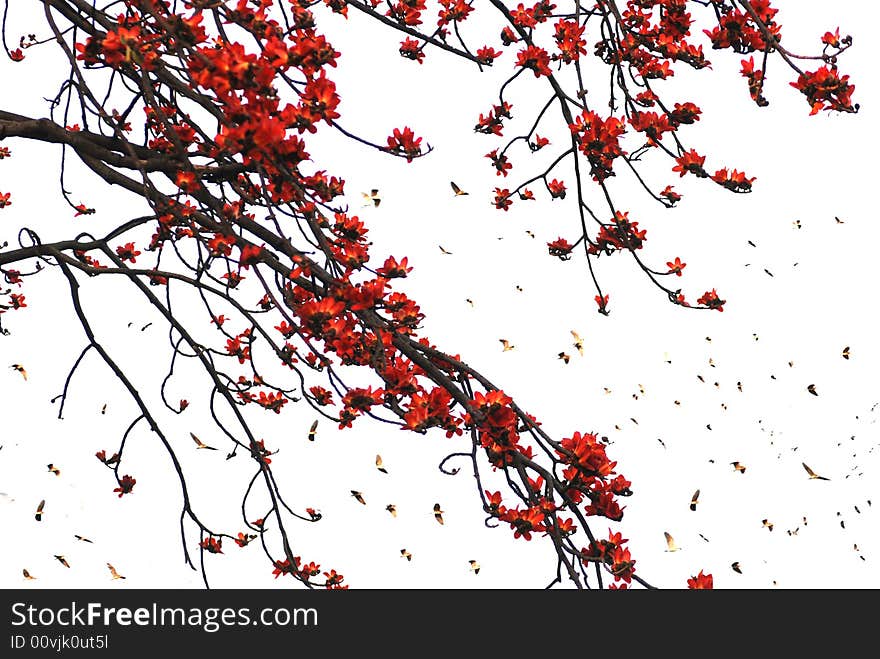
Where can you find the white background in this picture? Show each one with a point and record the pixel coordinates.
(808, 169)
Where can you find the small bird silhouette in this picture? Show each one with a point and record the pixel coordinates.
(379, 464)
(564, 356)
(738, 466)
(391, 508)
(506, 345)
(475, 566)
(113, 572)
(814, 475)
(55, 470)
(767, 524)
(405, 554)
(578, 342)
(735, 567)
(313, 430)
(812, 389)
(62, 560)
(27, 575)
(20, 369)
(372, 198)
(670, 542)
(457, 190)
(845, 353)
(200, 444)
(39, 514)
(438, 513)
(358, 496)
(444, 250)
(82, 539)
(695, 500)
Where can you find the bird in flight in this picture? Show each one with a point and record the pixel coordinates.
(812, 389)
(200, 444)
(26, 574)
(39, 514)
(113, 572)
(445, 251)
(62, 560)
(767, 524)
(438, 513)
(379, 464)
(475, 566)
(405, 554)
(391, 508)
(845, 353)
(670, 542)
(313, 430)
(358, 496)
(506, 345)
(578, 342)
(814, 475)
(55, 470)
(738, 466)
(82, 539)
(564, 356)
(20, 369)
(735, 567)
(372, 198)
(457, 190)
(695, 500)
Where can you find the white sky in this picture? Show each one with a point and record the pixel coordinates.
(809, 169)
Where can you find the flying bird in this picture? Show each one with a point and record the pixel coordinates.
(82, 539)
(812, 389)
(438, 514)
(113, 572)
(814, 475)
(767, 523)
(564, 356)
(845, 353)
(578, 342)
(55, 470)
(506, 344)
(379, 464)
(838, 220)
(391, 508)
(405, 554)
(739, 467)
(200, 443)
(445, 251)
(26, 574)
(457, 190)
(39, 515)
(62, 560)
(358, 496)
(670, 542)
(372, 198)
(475, 566)
(20, 369)
(735, 567)
(313, 430)
(695, 500)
